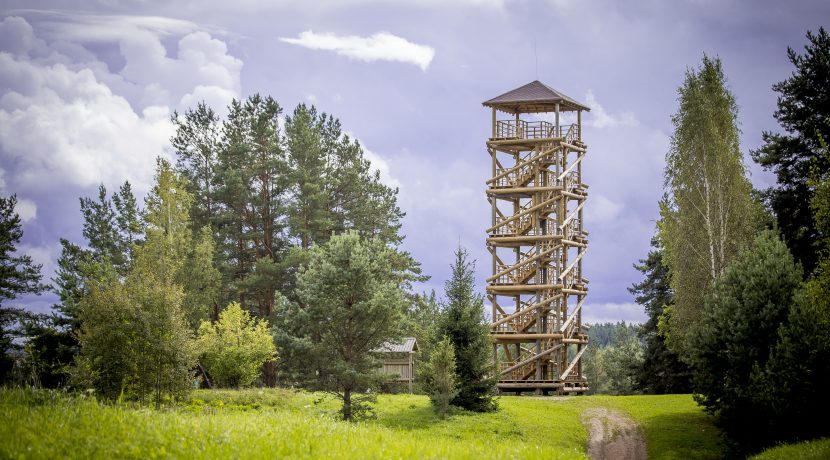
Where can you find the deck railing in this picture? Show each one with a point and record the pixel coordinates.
(521, 129)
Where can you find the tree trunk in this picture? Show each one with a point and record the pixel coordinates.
(347, 405)
(269, 373)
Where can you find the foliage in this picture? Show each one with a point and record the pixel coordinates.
(661, 370)
(742, 316)
(234, 348)
(202, 281)
(795, 379)
(196, 142)
(610, 334)
(803, 108)
(250, 190)
(439, 373)
(112, 230)
(134, 336)
(614, 355)
(353, 305)
(269, 191)
(48, 352)
(707, 215)
(465, 326)
(275, 423)
(422, 321)
(18, 275)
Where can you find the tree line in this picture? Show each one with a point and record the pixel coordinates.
(268, 253)
(736, 285)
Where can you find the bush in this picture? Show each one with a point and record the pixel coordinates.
(234, 348)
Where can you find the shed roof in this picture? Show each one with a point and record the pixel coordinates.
(409, 345)
(534, 97)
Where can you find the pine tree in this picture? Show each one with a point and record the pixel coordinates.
(18, 275)
(128, 220)
(100, 229)
(708, 214)
(353, 305)
(465, 326)
(803, 108)
(251, 189)
(310, 215)
(197, 142)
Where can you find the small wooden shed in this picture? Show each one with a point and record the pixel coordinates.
(399, 360)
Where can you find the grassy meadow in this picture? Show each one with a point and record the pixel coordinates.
(282, 423)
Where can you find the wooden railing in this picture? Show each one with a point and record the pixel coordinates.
(522, 129)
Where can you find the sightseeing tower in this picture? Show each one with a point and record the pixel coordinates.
(537, 240)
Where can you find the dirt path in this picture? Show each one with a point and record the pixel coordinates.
(612, 435)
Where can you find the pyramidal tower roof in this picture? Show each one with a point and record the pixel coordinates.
(534, 97)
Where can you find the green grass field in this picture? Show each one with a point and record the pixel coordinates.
(813, 450)
(283, 423)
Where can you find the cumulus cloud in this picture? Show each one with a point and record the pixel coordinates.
(26, 209)
(378, 163)
(66, 119)
(600, 118)
(602, 209)
(381, 46)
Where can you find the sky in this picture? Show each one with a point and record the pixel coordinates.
(86, 95)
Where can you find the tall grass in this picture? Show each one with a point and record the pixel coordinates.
(284, 423)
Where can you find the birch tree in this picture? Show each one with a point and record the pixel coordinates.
(708, 212)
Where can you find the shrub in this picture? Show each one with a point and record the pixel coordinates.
(234, 348)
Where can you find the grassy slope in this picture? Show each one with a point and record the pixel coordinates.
(279, 423)
(813, 450)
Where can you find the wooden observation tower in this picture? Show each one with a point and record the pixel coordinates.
(537, 241)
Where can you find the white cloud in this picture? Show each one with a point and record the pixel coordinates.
(377, 163)
(381, 165)
(65, 121)
(599, 118)
(106, 28)
(601, 209)
(381, 46)
(42, 255)
(26, 209)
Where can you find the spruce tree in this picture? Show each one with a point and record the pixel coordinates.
(465, 326)
(439, 375)
(661, 370)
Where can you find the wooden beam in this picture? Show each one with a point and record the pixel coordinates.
(525, 288)
(523, 337)
(531, 359)
(573, 363)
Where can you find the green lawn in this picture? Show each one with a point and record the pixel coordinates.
(813, 450)
(282, 423)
